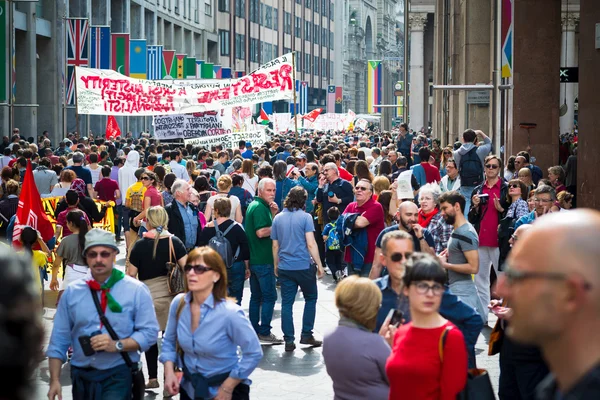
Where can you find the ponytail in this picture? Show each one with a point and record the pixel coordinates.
(77, 218)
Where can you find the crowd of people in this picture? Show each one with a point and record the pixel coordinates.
(418, 270)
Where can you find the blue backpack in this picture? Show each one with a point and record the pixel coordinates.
(333, 240)
(470, 169)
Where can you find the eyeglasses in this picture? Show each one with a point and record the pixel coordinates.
(146, 178)
(397, 257)
(423, 288)
(94, 254)
(447, 152)
(536, 200)
(358, 188)
(514, 237)
(514, 186)
(492, 166)
(198, 269)
(513, 276)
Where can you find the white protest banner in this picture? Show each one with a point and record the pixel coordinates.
(361, 123)
(405, 190)
(192, 125)
(350, 117)
(327, 122)
(230, 141)
(106, 92)
(281, 122)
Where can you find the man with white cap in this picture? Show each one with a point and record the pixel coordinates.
(99, 366)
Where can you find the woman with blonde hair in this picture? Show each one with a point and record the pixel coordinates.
(190, 166)
(250, 179)
(446, 155)
(354, 356)
(224, 185)
(208, 335)
(148, 260)
(380, 184)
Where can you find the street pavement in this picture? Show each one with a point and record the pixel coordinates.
(296, 375)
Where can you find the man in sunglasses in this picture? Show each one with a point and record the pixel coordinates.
(98, 369)
(552, 284)
(489, 201)
(397, 247)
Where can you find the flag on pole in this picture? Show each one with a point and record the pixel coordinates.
(264, 118)
(169, 64)
(112, 128)
(138, 59)
(180, 65)
(339, 98)
(199, 64)
(312, 116)
(31, 211)
(190, 68)
(207, 71)
(77, 52)
(217, 71)
(331, 99)
(155, 62)
(120, 53)
(100, 47)
(374, 78)
(225, 73)
(303, 97)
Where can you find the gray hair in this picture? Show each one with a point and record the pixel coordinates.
(433, 189)
(77, 157)
(545, 189)
(333, 166)
(178, 186)
(263, 182)
(394, 235)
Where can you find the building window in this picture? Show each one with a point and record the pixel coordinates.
(298, 1)
(331, 42)
(324, 4)
(224, 42)
(324, 37)
(316, 31)
(275, 51)
(331, 70)
(254, 11)
(316, 65)
(224, 5)
(268, 11)
(307, 63)
(254, 50)
(298, 28)
(177, 7)
(240, 46)
(308, 5)
(331, 12)
(208, 8)
(275, 19)
(287, 23)
(316, 5)
(324, 68)
(267, 51)
(240, 8)
(307, 29)
(298, 60)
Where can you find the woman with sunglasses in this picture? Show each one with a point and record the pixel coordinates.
(205, 332)
(152, 196)
(429, 356)
(148, 260)
(446, 155)
(517, 198)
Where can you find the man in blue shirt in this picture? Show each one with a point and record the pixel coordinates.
(81, 172)
(248, 153)
(396, 247)
(293, 245)
(183, 216)
(127, 304)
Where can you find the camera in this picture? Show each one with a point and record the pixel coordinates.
(483, 197)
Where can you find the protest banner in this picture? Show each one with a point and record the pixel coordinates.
(405, 190)
(281, 122)
(229, 141)
(106, 92)
(326, 122)
(361, 123)
(191, 125)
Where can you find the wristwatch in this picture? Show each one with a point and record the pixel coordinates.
(119, 346)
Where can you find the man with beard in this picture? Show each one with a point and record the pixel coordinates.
(98, 367)
(408, 217)
(461, 257)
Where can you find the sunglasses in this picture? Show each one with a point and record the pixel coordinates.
(447, 152)
(198, 269)
(492, 166)
(514, 186)
(397, 257)
(94, 254)
(146, 178)
(358, 188)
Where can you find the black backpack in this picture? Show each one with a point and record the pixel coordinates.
(470, 168)
(222, 245)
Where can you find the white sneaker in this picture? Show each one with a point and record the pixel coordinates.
(327, 270)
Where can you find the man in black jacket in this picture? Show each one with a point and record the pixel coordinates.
(183, 216)
(333, 190)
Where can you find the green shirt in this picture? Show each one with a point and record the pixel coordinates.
(258, 216)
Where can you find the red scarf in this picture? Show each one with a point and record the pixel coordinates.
(425, 219)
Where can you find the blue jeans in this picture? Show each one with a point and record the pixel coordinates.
(115, 387)
(466, 191)
(124, 218)
(262, 298)
(306, 279)
(364, 272)
(235, 281)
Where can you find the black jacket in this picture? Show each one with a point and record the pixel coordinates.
(87, 205)
(343, 191)
(477, 213)
(176, 226)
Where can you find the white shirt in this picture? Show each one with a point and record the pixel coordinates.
(179, 170)
(250, 183)
(444, 184)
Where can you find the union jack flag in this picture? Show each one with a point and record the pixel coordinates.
(77, 53)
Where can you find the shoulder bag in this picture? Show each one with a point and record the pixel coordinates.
(175, 274)
(138, 384)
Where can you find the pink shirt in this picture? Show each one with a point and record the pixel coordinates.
(373, 212)
(154, 194)
(488, 229)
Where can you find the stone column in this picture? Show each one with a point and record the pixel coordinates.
(417, 23)
(568, 58)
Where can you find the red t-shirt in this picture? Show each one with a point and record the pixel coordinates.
(373, 212)
(345, 175)
(415, 370)
(106, 188)
(62, 221)
(488, 228)
(432, 174)
(154, 194)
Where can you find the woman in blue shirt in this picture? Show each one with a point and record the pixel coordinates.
(208, 329)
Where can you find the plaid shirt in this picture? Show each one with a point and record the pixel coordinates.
(440, 231)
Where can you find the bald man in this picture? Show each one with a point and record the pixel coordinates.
(553, 287)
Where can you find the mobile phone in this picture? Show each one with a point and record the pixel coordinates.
(394, 318)
(86, 345)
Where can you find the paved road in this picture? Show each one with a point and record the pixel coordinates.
(291, 376)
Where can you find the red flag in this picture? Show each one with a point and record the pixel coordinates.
(112, 128)
(312, 116)
(30, 211)
(263, 116)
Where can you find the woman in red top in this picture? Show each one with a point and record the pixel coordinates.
(417, 369)
(152, 196)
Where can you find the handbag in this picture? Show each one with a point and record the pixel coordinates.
(138, 384)
(496, 339)
(478, 384)
(175, 274)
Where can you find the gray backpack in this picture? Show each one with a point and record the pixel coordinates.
(221, 245)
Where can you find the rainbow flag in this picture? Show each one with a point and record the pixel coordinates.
(374, 78)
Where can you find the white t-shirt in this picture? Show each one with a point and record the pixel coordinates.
(250, 183)
(95, 174)
(235, 203)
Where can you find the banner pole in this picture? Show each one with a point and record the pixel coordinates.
(294, 88)
(77, 106)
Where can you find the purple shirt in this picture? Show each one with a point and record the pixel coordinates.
(114, 175)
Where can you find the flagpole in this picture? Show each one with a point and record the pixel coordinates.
(294, 88)
(77, 106)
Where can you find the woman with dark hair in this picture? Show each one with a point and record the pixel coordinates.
(310, 156)
(204, 192)
(29, 237)
(361, 171)
(217, 359)
(510, 171)
(385, 169)
(70, 251)
(283, 184)
(85, 203)
(160, 172)
(167, 195)
(419, 367)
(152, 196)
(384, 199)
(6, 175)
(21, 330)
(237, 190)
(517, 198)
